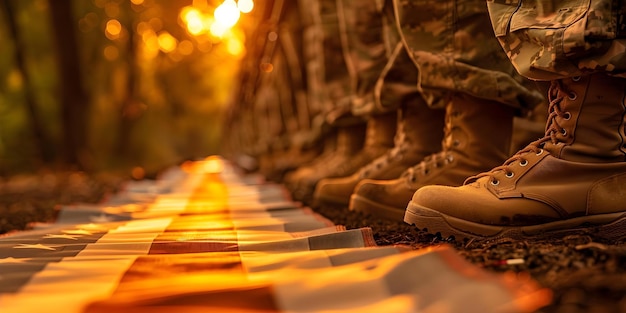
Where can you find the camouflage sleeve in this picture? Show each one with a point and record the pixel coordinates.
(551, 39)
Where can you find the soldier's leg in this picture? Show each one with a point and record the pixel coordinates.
(573, 180)
(386, 87)
(329, 90)
(461, 68)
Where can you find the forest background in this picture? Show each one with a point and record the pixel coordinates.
(113, 85)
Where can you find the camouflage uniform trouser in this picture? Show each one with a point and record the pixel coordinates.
(453, 47)
(547, 40)
(355, 62)
(328, 79)
(381, 72)
(273, 111)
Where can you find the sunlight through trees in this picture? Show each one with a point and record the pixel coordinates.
(156, 76)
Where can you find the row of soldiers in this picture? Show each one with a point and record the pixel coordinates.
(362, 103)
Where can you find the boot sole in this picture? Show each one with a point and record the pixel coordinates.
(606, 226)
(364, 205)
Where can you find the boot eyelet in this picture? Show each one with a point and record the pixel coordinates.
(538, 153)
(509, 175)
(523, 163)
(495, 182)
(563, 132)
(572, 96)
(576, 78)
(567, 116)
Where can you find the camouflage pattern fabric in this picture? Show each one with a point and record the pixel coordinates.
(381, 71)
(285, 91)
(453, 46)
(363, 44)
(547, 40)
(327, 73)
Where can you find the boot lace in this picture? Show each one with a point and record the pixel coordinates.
(556, 95)
(394, 154)
(429, 163)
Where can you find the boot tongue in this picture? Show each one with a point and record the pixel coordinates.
(586, 119)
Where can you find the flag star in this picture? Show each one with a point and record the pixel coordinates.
(11, 260)
(61, 236)
(77, 232)
(93, 227)
(102, 218)
(37, 246)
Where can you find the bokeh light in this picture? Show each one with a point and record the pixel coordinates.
(218, 30)
(245, 6)
(193, 19)
(15, 80)
(111, 53)
(138, 172)
(227, 14)
(198, 21)
(185, 47)
(167, 42)
(113, 29)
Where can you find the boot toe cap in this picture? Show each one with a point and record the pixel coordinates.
(334, 190)
(370, 188)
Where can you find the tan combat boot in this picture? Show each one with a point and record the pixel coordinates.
(349, 142)
(328, 151)
(379, 134)
(573, 180)
(288, 160)
(419, 134)
(477, 137)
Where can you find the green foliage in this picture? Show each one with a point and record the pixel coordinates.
(148, 107)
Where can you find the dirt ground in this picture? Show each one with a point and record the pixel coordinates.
(27, 199)
(585, 275)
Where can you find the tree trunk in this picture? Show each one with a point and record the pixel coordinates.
(74, 104)
(45, 152)
(130, 108)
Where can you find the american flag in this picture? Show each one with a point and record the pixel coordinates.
(205, 237)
